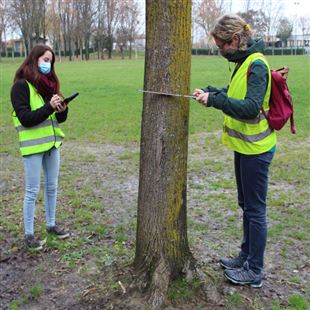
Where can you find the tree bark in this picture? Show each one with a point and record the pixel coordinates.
(162, 250)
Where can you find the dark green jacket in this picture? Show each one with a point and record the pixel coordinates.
(250, 106)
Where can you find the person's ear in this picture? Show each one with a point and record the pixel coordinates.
(236, 40)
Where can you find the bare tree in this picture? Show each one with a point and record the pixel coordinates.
(84, 24)
(67, 17)
(29, 16)
(247, 5)
(38, 15)
(111, 20)
(20, 12)
(206, 12)
(128, 23)
(53, 26)
(257, 20)
(122, 39)
(284, 30)
(304, 23)
(272, 10)
(4, 21)
(162, 250)
(99, 28)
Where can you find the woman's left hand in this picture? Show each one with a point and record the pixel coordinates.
(203, 98)
(56, 103)
(61, 108)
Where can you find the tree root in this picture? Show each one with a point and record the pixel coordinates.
(159, 285)
(140, 282)
(208, 286)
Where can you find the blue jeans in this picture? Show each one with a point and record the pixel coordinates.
(33, 165)
(252, 183)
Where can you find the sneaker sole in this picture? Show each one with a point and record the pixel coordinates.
(254, 285)
(63, 236)
(229, 267)
(37, 249)
(59, 236)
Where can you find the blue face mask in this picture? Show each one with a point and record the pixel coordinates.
(45, 67)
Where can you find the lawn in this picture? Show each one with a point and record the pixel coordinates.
(98, 196)
(111, 105)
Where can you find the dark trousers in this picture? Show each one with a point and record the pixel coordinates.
(252, 183)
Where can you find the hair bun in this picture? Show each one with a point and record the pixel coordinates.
(246, 27)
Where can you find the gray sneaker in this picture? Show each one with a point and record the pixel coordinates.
(34, 244)
(58, 232)
(232, 263)
(244, 276)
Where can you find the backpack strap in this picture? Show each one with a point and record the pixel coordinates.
(247, 77)
(292, 124)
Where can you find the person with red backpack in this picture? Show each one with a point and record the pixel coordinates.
(248, 134)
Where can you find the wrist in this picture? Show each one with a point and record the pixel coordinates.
(50, 107)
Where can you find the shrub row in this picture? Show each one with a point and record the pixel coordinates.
(267, 51)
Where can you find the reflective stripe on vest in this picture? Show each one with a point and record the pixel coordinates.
(39, 138)
(39, 141)
(248, 136)
(255, 120)
(45, 123)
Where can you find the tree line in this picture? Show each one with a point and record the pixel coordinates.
(77, 27)
(73, 25)
(265, 16)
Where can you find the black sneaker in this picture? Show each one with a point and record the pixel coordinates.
(244, 276)
(58, 232)
(33, 244)
(232, 263)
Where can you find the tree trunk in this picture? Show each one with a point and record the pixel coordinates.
(110, 45)
(130, 49)
(162, 251)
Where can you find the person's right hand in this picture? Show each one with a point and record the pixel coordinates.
(197, 92)
(56, 103)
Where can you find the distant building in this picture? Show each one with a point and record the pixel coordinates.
(13, 45)
(299, 40)
(272, 41)
(139, 42)
(18, 47)
(294, 41)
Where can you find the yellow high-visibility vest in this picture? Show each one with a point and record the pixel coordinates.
(248, 136)
(39, 138)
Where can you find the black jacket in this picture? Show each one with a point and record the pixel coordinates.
(20, 98)
(250, 106)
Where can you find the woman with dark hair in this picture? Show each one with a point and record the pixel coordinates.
(245, 131)
(38, 110)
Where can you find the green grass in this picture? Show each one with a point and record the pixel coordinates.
(298, 302)
(109, 106)
(183, 290)
(234, 302)
(34, 293)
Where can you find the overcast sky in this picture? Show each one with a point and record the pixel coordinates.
(292, 9)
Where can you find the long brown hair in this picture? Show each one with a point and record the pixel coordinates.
(29, 68)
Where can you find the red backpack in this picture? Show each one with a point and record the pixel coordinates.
(280, 102)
